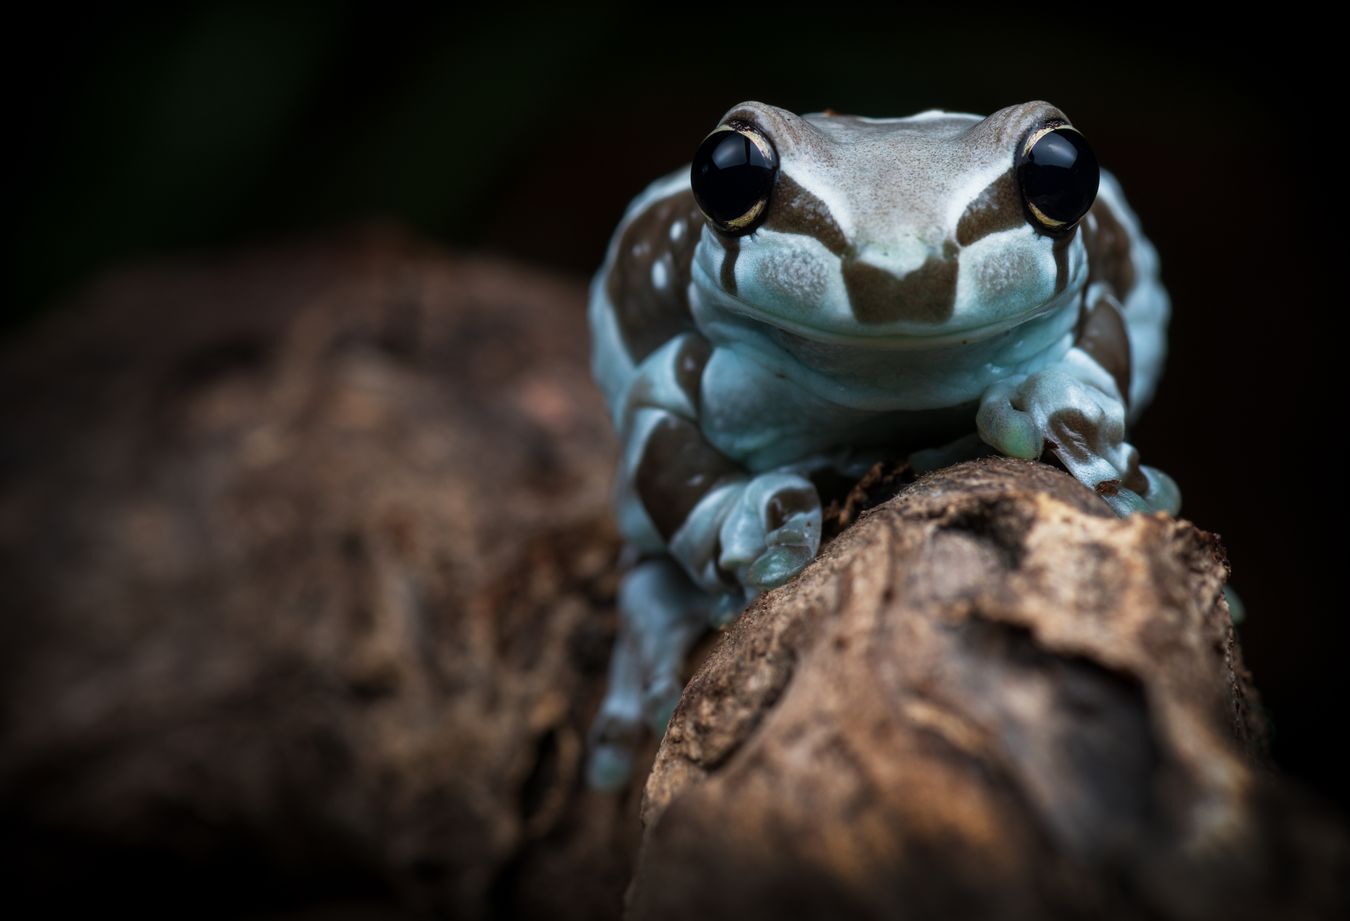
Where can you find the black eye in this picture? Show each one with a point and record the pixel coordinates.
(1058, 174)
(732, 175)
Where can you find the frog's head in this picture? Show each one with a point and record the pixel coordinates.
(914, 229)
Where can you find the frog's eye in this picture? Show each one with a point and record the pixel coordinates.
(1058, 174)
(732, 176)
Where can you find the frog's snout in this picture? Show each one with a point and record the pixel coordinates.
(904, 283)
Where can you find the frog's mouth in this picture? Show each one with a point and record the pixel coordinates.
(861, 303)
(899, 337)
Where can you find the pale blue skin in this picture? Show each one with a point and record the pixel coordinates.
(835, 392)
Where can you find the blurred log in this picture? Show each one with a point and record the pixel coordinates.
(987, 699)
(309, 574)
(308, 567)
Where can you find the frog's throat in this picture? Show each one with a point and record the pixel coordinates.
(719, 298)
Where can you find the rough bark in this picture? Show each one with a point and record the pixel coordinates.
(309, 568)
(988, 698)
(309, 573)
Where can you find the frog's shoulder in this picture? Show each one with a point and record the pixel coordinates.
(640, 296)
(1123, 264)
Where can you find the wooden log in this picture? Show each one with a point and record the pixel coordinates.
(989, 698)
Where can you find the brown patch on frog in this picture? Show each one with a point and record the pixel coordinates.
(793, 209)
(1102, 334)
(1108, 246)
(732, 245)
(925, 295)
(1071, 432)
(1061, 251)
(783, 505)
(1134, 478)
(677, 469)
(649, 317)
(689, 360)
(997, 208)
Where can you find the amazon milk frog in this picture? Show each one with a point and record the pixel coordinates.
(817, 292)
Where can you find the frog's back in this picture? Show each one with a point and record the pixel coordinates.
(1123, 266)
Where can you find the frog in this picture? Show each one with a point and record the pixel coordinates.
(814, 293)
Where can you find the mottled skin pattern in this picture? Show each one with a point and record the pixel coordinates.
(897, 299)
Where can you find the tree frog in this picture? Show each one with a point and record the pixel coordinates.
(815, 292)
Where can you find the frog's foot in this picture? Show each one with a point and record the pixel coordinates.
(1083, 423)
(618, 726)
(1159, 494)
(661, 614)
(772, 531)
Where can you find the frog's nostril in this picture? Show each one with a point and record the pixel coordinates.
(899, 257)
(925, 293)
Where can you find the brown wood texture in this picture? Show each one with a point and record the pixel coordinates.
(309, 568)
(988, 698)
(309, 575)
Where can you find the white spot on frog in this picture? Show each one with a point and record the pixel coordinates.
(676, 231)
(659, 274)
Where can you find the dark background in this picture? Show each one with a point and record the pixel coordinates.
(524, 131)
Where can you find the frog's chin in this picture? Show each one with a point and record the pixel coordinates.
(897, 339)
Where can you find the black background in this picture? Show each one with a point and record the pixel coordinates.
(524, 131)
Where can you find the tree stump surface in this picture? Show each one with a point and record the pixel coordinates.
(310, 575)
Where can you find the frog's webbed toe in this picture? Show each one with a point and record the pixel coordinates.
(787, 553)
(772, 531)
(1160, 495)
(1002, 424)
(1076, 411)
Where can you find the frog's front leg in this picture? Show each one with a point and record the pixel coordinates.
(1076, 408)
(733, 532)
(711, 534)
